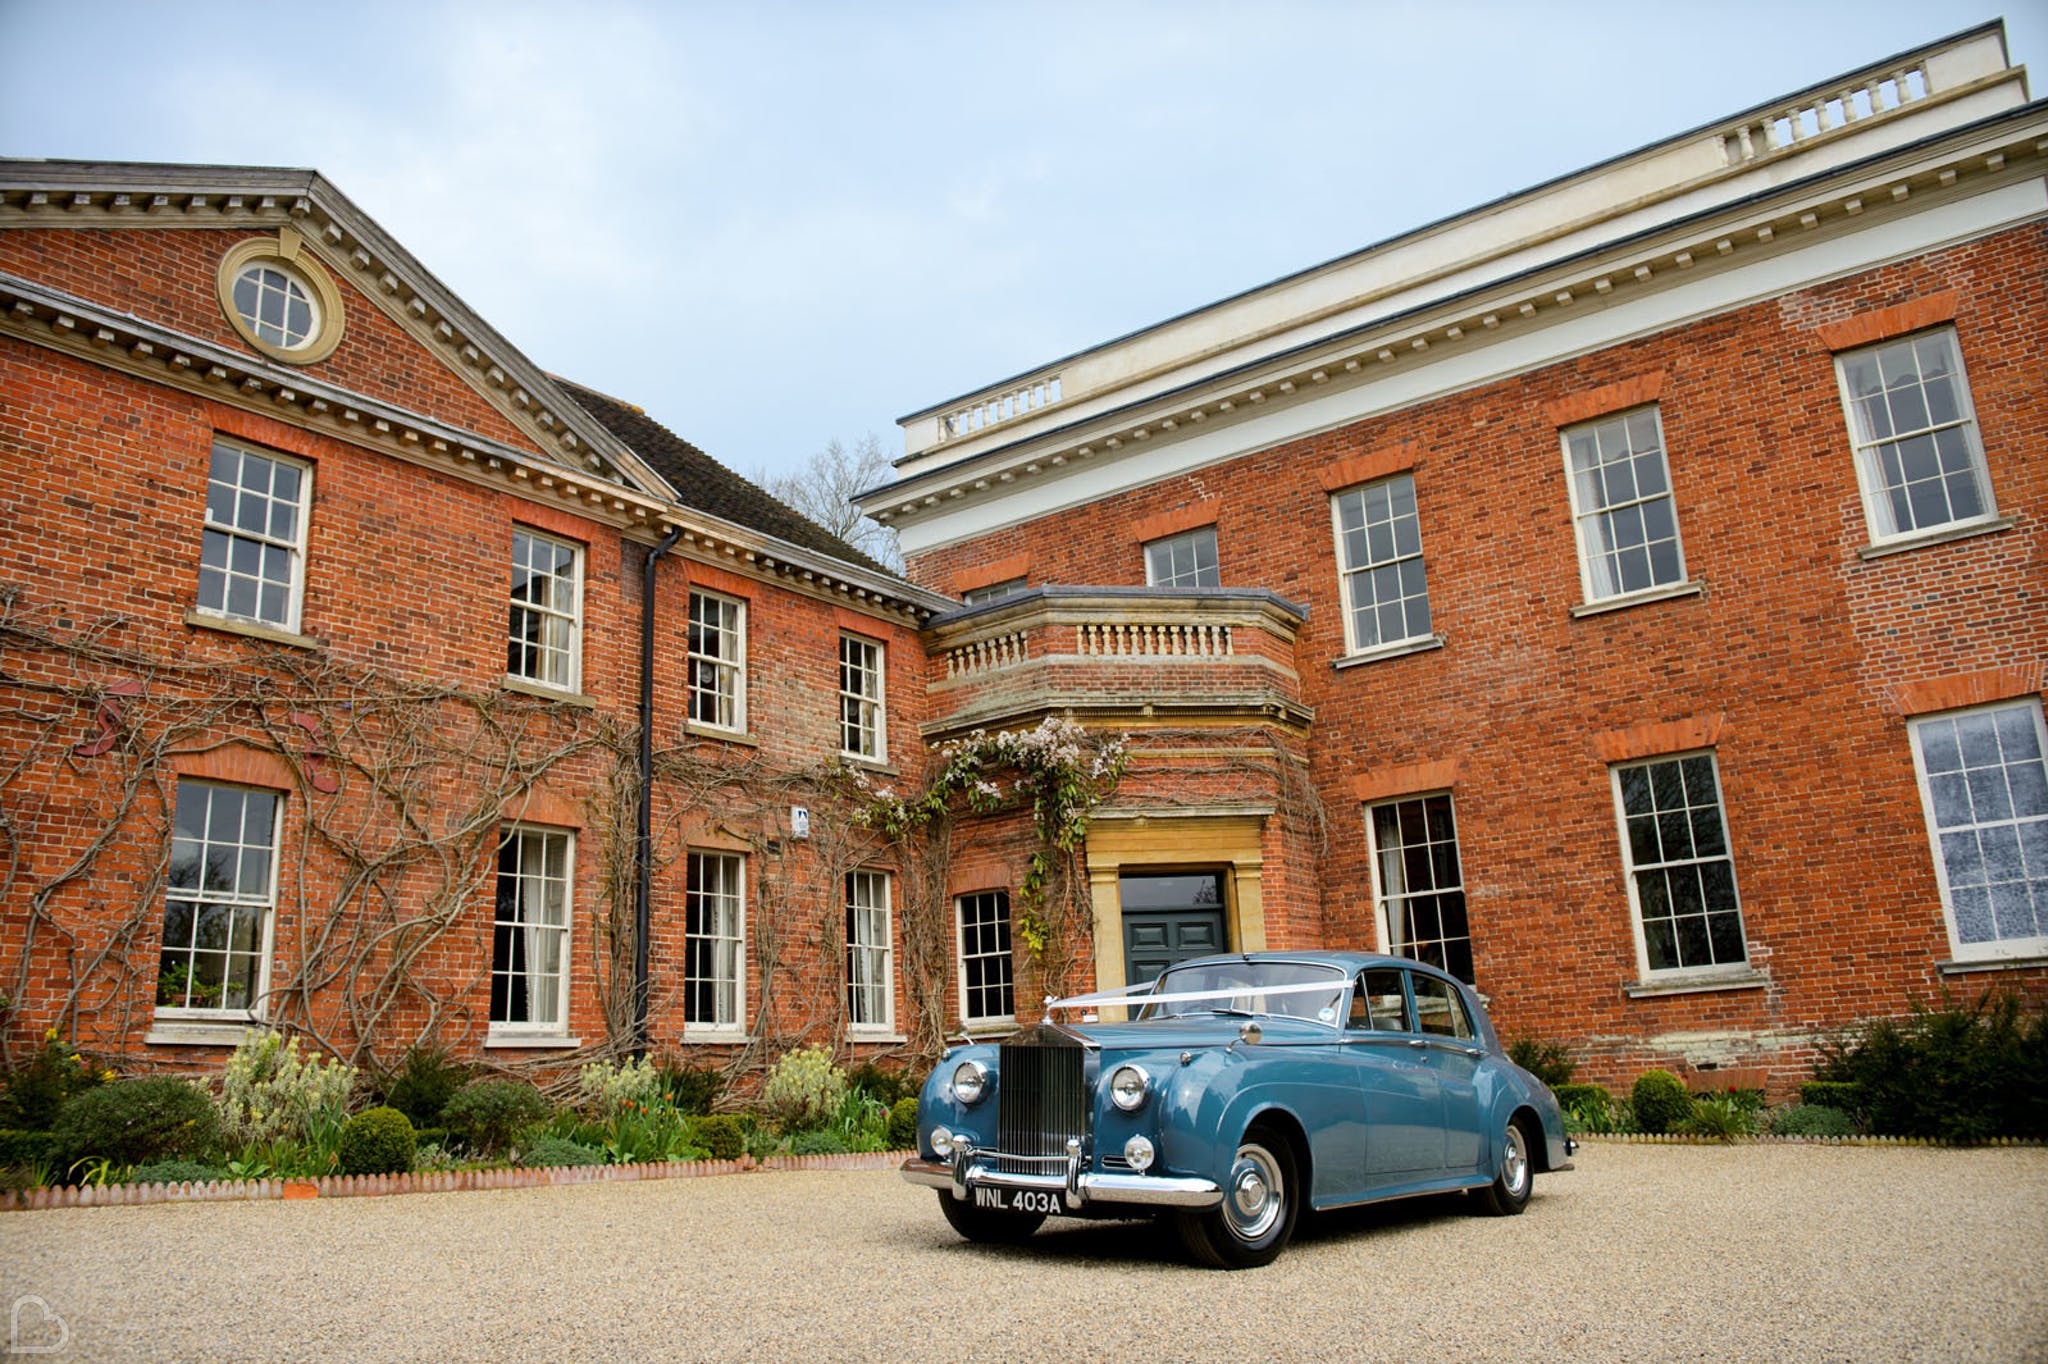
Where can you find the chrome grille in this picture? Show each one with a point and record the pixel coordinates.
(1041, 1100)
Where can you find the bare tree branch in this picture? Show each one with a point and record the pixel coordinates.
(823, 490)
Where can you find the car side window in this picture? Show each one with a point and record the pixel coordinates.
(1441, 1011)
(1381, 1001)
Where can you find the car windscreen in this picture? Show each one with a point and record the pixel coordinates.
(1272, 988)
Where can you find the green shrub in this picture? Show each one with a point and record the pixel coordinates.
(722, 1135)
(903, 1123)
(551, 1152)
(1830, 1094)
(804, 1090)
(488, 1115)
(1590, 1104)
(423, 1084)
(377, 1141)
(1549, 1062)
(26, 1148)
(1660, 1101)
(821, 1143)
(176, 1172)
(886, 1087)
(1720, 1116)
(268, 1092)
(432, 1159)
(694, 1090)
(1812, 1120)
(1960, 1072)
(423, 1137)
(131, 1122)
(31, 1096)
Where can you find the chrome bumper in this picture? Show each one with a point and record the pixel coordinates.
(1077, 1188)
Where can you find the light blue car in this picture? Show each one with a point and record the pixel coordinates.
(1244, 1089)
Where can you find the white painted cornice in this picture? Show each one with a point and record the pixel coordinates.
(1051, 460)
(41, 316)
(1897, 100)
(80, 194)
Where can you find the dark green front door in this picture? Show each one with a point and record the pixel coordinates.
(1168, 918)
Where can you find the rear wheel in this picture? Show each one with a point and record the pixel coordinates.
(1509, 1192)
(986, 1225)
(1261, 1203)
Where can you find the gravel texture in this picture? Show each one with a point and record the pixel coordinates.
(1643, 1252)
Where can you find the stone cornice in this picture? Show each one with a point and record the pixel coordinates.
(2004, 149)
(1060, 605)
(70, 194)
(1931, 82)
(45, 317)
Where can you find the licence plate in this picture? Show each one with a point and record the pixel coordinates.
(1018, 1200)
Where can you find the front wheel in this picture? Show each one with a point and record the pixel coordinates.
(986, 1225)
(1261, 1202)
(1509, 1192)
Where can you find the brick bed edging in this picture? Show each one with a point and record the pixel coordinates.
(446, 1181)
(1767, 1139)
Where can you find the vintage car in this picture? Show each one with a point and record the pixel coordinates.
(1245, 1089)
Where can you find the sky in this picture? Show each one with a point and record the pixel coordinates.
(774, 224)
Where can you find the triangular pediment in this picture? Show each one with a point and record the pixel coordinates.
(148, 242)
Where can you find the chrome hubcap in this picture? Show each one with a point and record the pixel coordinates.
(1514, 1165)
(1257, 1193)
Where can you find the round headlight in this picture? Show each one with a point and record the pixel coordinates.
(970, 1081)
(1127, 1088)
(1138, 1152)
(942, 1142)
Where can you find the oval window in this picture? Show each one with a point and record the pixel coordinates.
(276, 306)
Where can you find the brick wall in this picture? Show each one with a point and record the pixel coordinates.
(406, 577)
(1797, 647)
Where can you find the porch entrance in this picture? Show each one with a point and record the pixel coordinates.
(1169, 917)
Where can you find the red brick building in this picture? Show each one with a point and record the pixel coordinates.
(321, 653)
(1630, 593)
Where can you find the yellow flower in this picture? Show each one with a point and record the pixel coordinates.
(50, 1036)
(107, 1075)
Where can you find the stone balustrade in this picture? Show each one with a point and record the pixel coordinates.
(1872, 96)
(995, 408)
(1119, 653)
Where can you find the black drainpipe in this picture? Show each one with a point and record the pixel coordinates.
(643, 842)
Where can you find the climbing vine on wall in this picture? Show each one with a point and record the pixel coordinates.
(1060, 769)
(400, 790)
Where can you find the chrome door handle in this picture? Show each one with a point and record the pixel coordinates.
(1417, 1043)
(1475, 1051)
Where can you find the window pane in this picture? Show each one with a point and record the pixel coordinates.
(1934, 475)
(1987, 797)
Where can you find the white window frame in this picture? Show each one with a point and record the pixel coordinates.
(883, 952)
(873, 707)
(1584, 517)
(1714, 971)
(731, 670)
(973, 1021)
(736, 1029)
(1870, 473)
(295, 548)
(1347, 570)
(1999, 948)
(574, 615)
(982, 596)
(264, 906)
(501, 1028)
(1197, 540)
(1384, 903)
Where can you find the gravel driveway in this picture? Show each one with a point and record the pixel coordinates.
(1665, 1252)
